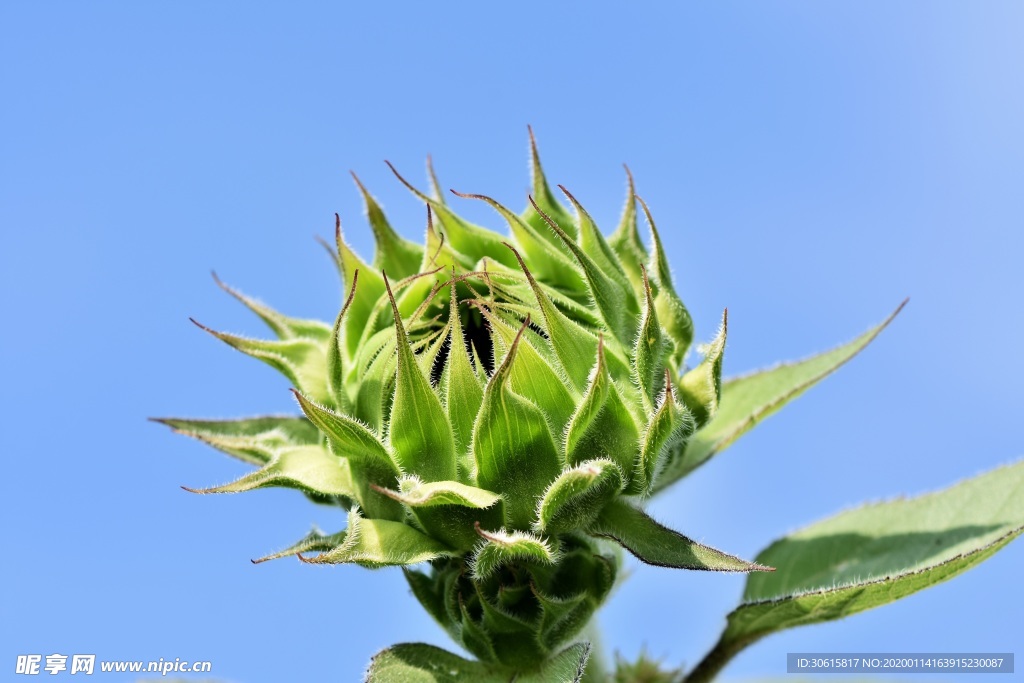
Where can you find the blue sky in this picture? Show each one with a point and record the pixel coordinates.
(809, 165)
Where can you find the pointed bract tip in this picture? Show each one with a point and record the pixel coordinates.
(576, 204)
(201, 326)
(399, 176)
(647, 281)
(547, 218)
(892, 316)
(303, 559)
(647, 211)
(465, 195)
(481, 533)
(391, 297)
(567, 194)
(522, 263)
(192, 490)
(359, 183)
(351, 292)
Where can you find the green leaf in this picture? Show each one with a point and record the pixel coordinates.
(562, 618)
(420, 663)
(435, 187)
(701, 388)
(575, 347)
(253, 440)
(348, 437)
(420, 433)
(283, 326)
(395, 254)
(311, 469)
(303, 361)
(602, 427)
(650, 349)
(615, 301)
(626, 242)
(512, 285)
(749, 399)
(578, 495)
(415, 493)
(567, 666)
(428, 349)
(549, 260)
(374, 379)
(594, 245)
(448, 510)
(289, 451)
(499, 621)
(512, 444)
(532, 375)
(472, 241)
(418, 291)
(500, 548)
(873, 555)
(335, 355)
(545, 199)
(380, 543)
(314, 541)
(463, 392)
(370, 290)
(670, 426)
(366, 456)
(674, 317)
(473, 636)
(654, 544)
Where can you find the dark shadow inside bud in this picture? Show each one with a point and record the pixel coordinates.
(477, 334)
(439, 360)
(475, 329)
(539, 330)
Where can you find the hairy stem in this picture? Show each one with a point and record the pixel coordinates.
(715, 660)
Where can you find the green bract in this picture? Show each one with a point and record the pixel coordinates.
(494, 409)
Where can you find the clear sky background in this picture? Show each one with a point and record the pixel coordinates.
(809, 164)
